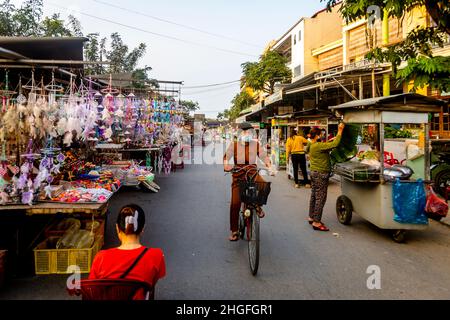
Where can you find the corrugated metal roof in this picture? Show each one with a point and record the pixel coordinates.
(57, 48)
(398, 100)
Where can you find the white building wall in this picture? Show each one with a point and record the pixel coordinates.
(298, 51)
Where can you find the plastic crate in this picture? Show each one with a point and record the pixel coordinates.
(57, 261)
(51, 232)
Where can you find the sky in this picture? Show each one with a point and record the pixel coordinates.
(179, 53)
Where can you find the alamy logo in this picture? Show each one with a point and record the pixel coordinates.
(374, 15)
(74, 280)
(374, 280)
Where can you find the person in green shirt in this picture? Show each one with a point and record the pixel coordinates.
(320, 166)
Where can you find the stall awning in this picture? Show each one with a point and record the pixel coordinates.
(411, 102)
(315, 113)
(245, 111)
(254, 116)
(304, 84)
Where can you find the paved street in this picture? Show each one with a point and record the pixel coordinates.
(189, 220)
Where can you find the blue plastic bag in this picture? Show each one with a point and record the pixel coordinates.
(409, 199)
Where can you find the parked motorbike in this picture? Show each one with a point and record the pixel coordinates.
(440, 175)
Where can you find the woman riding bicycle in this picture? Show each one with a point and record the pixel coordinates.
(245, 153)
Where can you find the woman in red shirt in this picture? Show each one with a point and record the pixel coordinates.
(113, 263)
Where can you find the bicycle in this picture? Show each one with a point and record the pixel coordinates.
(253, 195)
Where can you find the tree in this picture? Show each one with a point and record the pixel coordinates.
(240, 102)
(54, 27)
(119, 56)
(93, 52)
(417, 48)
(269, 70)
(27, 18)
(28, 21)
(141, 79)
(189, 105)
(7, 24)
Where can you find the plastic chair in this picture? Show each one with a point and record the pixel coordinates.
(112, 289)
(389, 158)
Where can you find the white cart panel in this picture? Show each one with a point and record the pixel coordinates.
(373, 202)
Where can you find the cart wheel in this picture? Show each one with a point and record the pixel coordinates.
(399, 236)
(344, 210)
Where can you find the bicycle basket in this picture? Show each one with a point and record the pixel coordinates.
(254, 192)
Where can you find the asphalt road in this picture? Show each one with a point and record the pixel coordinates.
(189, 220)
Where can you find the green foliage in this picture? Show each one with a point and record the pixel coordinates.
(28, 21)
(54, 27)
(189, 105)
(264, 74)
(423, 68)
(241, 101)
(434, 72)
(393, 133)
(141, 79)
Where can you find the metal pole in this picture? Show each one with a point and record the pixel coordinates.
(382, 153)
(37, 61)
(361, 88)
(385, 42)
(373, 82)
(427, 151)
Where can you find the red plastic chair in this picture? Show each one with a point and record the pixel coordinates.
(112, 289)
(389, 158)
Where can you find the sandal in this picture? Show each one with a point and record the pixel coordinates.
(234, 236)
(322, 227)
(310, 221)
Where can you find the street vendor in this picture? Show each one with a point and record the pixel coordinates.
(320, 165)
(295, 148)
(131, 260)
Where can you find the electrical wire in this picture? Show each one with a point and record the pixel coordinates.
(177, 24)
(210, 85)
(206, 91)
(154, 33)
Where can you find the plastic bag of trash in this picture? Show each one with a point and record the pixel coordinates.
(436, 206)
(409, 201)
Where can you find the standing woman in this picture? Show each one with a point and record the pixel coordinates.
(295, 147)
(319, 158)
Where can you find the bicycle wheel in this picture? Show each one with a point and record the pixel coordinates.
(253, 242)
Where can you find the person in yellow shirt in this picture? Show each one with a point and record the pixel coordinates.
(295, 148)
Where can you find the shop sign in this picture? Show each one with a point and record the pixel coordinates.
(312, 122)
(277, 96)
(256, 107)
(280, 122)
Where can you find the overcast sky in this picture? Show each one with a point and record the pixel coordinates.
(247, 26)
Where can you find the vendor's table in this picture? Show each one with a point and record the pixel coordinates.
(56, 208)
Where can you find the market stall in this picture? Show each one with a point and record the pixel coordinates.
(62, 154)
(376, 189)
(314, 118)
(279, 135)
